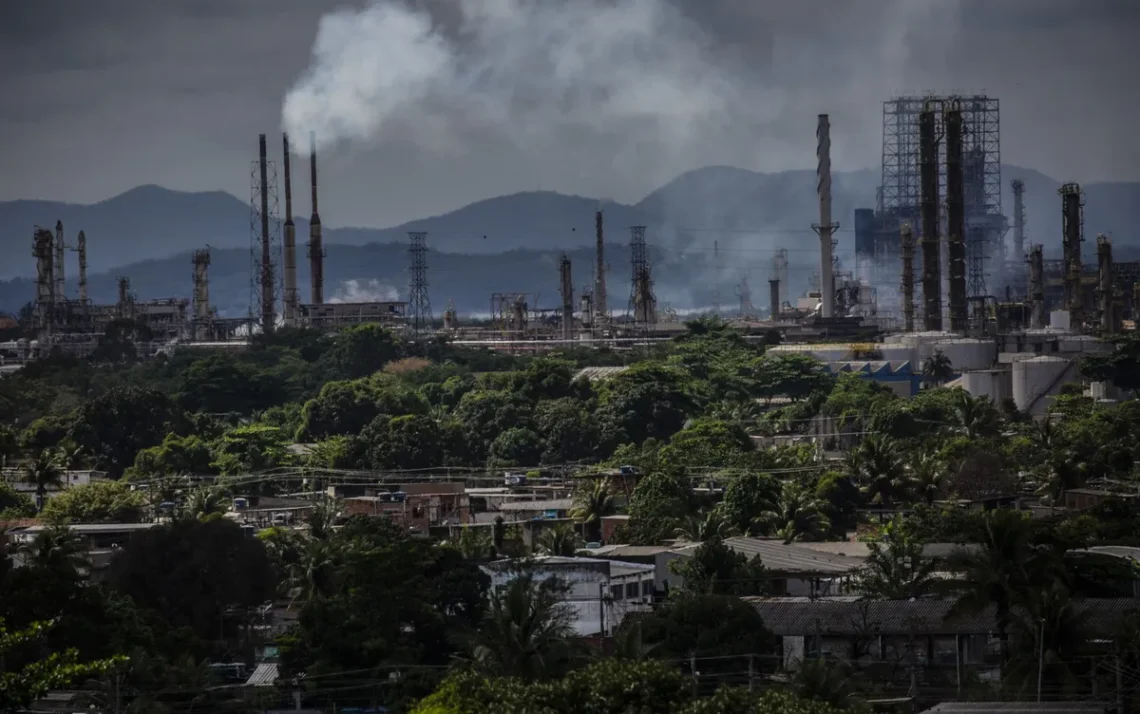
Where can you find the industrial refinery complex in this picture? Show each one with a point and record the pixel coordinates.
(938, 268)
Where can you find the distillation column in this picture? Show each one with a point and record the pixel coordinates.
(316, 246)
(1018, 187)
(1072, 219)
(931, 267)
(956, 220)
(289, 247)
(774, 297)
(601, 309)
(58, 265)
(201, 306)
(567, 289)
(1037, 286)
(825, 228)
(906, 243)
(81, 250)
(1104, 287)
(45, 283)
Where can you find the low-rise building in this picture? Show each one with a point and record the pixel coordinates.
(793, 569)
(415, 506)
(102, 540)
(600, 593)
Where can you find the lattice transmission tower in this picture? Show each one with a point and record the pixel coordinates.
(419, 303)
(642, 301)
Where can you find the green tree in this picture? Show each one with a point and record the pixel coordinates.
(876, 465)
(223, 383)
(14, 504)
(175, 455)
(115, 426)
(896, 568)
(659, 505)
(1121, 366)
(561, 540)
(592, 503)
(45, 473)
(568, 432)
(406, 442)
(361, 351)
(936, 369)
(249, 449)
(96, 502)
(20, 687)
(516, 447)
(527, 629)
(746, 497)
(795, 514)
(706, 625)
(714, 568)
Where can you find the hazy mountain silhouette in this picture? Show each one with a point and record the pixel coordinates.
(148, 233)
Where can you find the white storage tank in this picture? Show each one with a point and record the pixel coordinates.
(996, 384)
(1034, 379)
(1059, 320)
(965, 353)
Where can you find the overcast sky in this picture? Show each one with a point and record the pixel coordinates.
(431, 105)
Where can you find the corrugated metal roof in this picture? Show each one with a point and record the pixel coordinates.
(1033, 707)
(861, 549)
(264, 675)
(784, 558)
(902, 617)
(553, 504)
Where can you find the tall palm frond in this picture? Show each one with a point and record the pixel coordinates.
(592, 503)
(559, 540)
(45, 472)
(526, 632)
(796, 514)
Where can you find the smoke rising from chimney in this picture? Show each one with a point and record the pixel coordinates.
(524, 68)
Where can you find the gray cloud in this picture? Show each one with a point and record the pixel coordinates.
(102, 97)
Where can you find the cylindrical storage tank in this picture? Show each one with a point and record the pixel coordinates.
(1034, 378)
(966, 354)
(996, 384)
(1059, 320)
(897, 353)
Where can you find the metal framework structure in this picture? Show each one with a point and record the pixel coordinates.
(642, 301)
(744, 292)
(566, 290)
(200, 310)
(900, 193)
(1073, 229)
(419, 303)
(510, 314)
(1017, 278)
(264, 241)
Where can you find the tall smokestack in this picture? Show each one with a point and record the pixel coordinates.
(931, 267)
(1072, 219)
(567, 290)
(774, 297)
(1104, 288)
(956, 219)
(906, 242)
(1037, 286)
(268, 314)
(45, 284)
(825, 228)
(1018, 187)
(125, 306)
(289, 247)
(60, 262)
(201, 306)
(316, 246)
(601, 310)
(81, 249)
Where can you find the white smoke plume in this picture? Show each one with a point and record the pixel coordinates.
(525, 70)
(364, 291)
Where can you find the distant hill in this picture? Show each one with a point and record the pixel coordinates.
(148, 233)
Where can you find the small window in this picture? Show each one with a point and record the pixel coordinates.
(631, 590)
(616, 592)
(646, 588)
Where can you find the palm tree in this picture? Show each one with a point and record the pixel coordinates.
(1050, 632)
(999, 571)
(976, 416)
(876, 465)
(58, 550)
(526, 632)
(927, 476)
(796, 514)
(317, 571)
(321, 519)
(44, 472)
(937, 370)
(630, 645)
(204, 502)
(592, 503)
(559, 540)
(896, 568)
(706, 526)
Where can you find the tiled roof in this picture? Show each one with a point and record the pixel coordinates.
(783, 558)
(903, 617)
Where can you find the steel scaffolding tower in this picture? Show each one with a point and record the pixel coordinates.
(264, 241)
(419, 303)
(642, 302)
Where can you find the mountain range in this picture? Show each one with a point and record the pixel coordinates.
(707, 229)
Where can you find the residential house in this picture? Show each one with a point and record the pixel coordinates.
(15, 478)
(549, 509)
(929, 631)
(601, 593)
(793, 569)
(102, 540)
(416, 506)
(267, 511)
